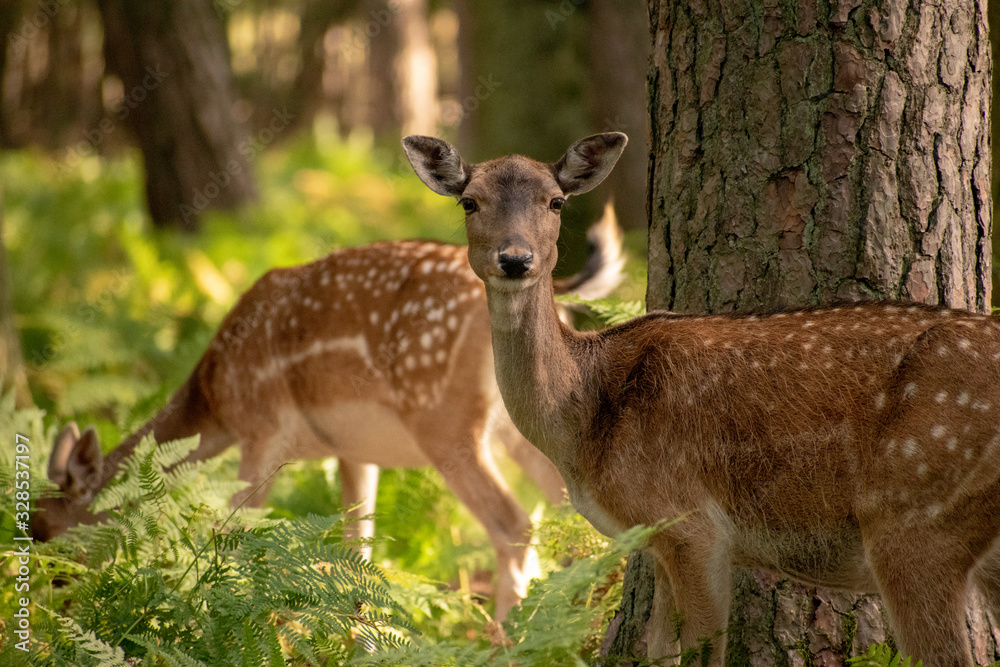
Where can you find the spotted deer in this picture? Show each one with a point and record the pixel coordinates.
(379, 356)
(854, 447)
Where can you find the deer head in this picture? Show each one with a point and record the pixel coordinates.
(512, 204)
(75, 466)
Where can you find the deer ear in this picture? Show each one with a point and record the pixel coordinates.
(588, 162)
(61, 449)
(438, 164)
(76, 461)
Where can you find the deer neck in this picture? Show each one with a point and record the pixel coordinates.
(535, 369)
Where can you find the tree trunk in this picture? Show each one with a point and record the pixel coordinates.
(807, 156)
(618, 53)
(174, 63)
(804, 153)
(416, 69)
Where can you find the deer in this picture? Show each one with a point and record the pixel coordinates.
(377, 355)
(853, 446)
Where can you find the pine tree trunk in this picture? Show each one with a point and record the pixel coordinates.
(174, 63)
(803, 153)
(807, 156)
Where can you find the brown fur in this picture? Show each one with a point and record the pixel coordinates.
(850, 446)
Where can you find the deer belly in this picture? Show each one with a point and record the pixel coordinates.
(368, 432)
(834, 558)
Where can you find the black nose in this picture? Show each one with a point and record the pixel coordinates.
(515, 266)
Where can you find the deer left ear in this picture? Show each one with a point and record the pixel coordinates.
(588, 162)
(438, 164)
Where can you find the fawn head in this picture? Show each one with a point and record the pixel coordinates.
(512, 203)
(75, 467)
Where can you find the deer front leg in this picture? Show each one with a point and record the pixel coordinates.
(923, 575)
(358, 489)
(692, 591)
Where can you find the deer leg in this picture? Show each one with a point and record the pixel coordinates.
(358, 489)
(260, 459)
(470, 471)
(923, 577)
(692, 593)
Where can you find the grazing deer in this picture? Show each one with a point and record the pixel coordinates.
(378, 355)
(854, 447)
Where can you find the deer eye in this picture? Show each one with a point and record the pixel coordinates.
(469, 204)
(557, 203)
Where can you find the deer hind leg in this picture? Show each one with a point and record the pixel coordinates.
(923, 577)
(359, 487)
(470, 471)
(692, 591)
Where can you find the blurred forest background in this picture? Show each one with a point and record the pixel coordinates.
(158, 157)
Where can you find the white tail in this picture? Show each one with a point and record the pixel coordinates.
(378, 355)
(855, 447)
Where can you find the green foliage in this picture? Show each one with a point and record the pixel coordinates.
(559, 623)
(880, 655)
(609, 310)
(176, 578)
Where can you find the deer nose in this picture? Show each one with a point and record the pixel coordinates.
(515, 266)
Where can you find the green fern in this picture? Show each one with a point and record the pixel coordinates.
(609, 310)
(175, 577)
(880, 655)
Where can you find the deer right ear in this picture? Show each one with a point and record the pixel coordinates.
(76, 461)
(438, 164)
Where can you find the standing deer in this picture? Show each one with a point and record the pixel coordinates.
(855, 447)
(378, 355)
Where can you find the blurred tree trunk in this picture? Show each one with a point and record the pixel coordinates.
(383, 44)
(416, 69)
(11, 16)
(49, 72)
(12, 375)
(403, 71)
(173, 60)
(317, 18)
(618, 48)
(806, 153)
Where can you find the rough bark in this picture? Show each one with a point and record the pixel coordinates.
(806, 152)
(174, 63)
(802, 153)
